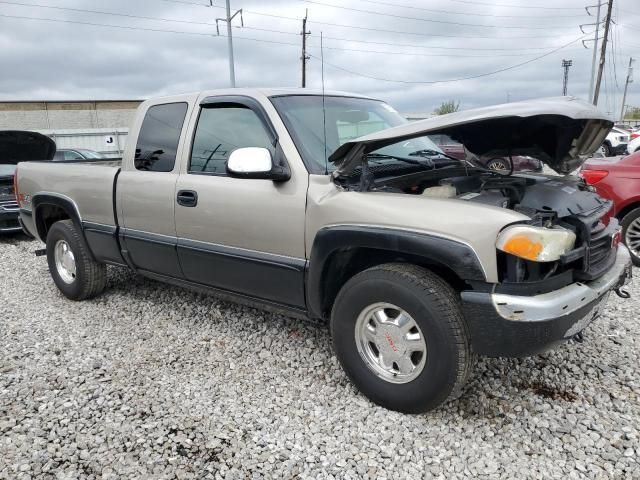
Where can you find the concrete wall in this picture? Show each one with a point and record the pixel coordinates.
(66, 115)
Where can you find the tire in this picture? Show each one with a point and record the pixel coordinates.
(608, 150)
(499, 164)
(87, 278)
(631, 234)
(434, 307)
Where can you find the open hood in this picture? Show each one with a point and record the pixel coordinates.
(20, 146)
(560, 131)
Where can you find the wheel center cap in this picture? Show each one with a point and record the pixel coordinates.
(390, 342)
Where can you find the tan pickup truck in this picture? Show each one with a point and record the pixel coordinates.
(333, 207)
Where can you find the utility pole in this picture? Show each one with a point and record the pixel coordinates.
(305, 57)
(595, 47)
(626, 85)
(228, 19)
(603, 53)
(565, 64)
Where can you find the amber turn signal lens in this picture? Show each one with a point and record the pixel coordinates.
(523, 247)
(538, 244)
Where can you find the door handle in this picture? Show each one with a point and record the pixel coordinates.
(187, 198)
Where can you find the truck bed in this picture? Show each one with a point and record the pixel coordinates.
(89, 185)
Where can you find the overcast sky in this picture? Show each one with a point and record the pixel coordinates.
(405, 41)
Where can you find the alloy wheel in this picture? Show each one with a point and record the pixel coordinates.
(390, 342)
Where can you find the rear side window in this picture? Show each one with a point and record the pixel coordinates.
(221, 130)
(159, 136)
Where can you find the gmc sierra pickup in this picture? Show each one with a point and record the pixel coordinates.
(334, 207)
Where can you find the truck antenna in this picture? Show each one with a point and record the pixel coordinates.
(324, 113)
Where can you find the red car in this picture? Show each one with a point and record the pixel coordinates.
(618, 178)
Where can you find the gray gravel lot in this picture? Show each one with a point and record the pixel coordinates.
(151, 381)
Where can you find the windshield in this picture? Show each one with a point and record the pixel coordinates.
(346, 119)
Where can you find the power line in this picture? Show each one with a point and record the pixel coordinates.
(291, 33)
(413, 54)
(429, 20)
(372, 29)
(211, 24)
(431, 82)
(435, 47)
(449, 12)
(100, 12)
(125, 27)
(537, 7)
(250, 38)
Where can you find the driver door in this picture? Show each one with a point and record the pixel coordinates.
(237, 234)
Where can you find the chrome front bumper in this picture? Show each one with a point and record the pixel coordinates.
(566, 300)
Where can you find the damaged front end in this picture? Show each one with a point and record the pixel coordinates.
(561, 132)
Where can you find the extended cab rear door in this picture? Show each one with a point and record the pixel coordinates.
(146, 187)
(238, 234)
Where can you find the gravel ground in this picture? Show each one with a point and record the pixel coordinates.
(151, 381)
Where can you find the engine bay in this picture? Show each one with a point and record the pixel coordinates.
(544, 198)
(549, 201)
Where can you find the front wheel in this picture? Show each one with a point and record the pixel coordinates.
(399, 334)
(631, 234)
(72, 268)
(499, 164)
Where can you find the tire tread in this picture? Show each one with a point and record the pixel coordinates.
(93, 275)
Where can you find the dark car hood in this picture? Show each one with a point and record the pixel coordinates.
(560, 131)
(20, 146)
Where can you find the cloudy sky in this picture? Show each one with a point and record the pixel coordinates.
(390, 49)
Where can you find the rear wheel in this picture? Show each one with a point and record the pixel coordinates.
(72, 268)
(608, 150)
(631, 234)
(399, 334)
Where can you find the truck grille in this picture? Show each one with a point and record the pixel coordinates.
(594, 253)
(9, 206)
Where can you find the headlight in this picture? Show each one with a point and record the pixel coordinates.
(536, 243)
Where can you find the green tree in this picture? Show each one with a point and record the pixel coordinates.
(632, 113)
(449, 106)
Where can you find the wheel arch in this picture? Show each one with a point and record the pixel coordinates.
(49, 208)
(340, 252)
(630, 205)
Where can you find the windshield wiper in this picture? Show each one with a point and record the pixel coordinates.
(379, 156)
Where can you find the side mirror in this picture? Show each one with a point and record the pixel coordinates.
(255, 162)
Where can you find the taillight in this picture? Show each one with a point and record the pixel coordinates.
(634, 135)
(15, 184)
(593, 176)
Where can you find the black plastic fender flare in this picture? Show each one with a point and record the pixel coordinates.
(457, 256)
(62, 202)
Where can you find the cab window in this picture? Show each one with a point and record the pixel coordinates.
(221, 129)
(159, 135)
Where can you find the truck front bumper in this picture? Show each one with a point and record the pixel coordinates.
(503, 325)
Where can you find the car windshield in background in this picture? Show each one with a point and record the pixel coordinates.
(346, 118)
(91, 154)
(6, 170)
